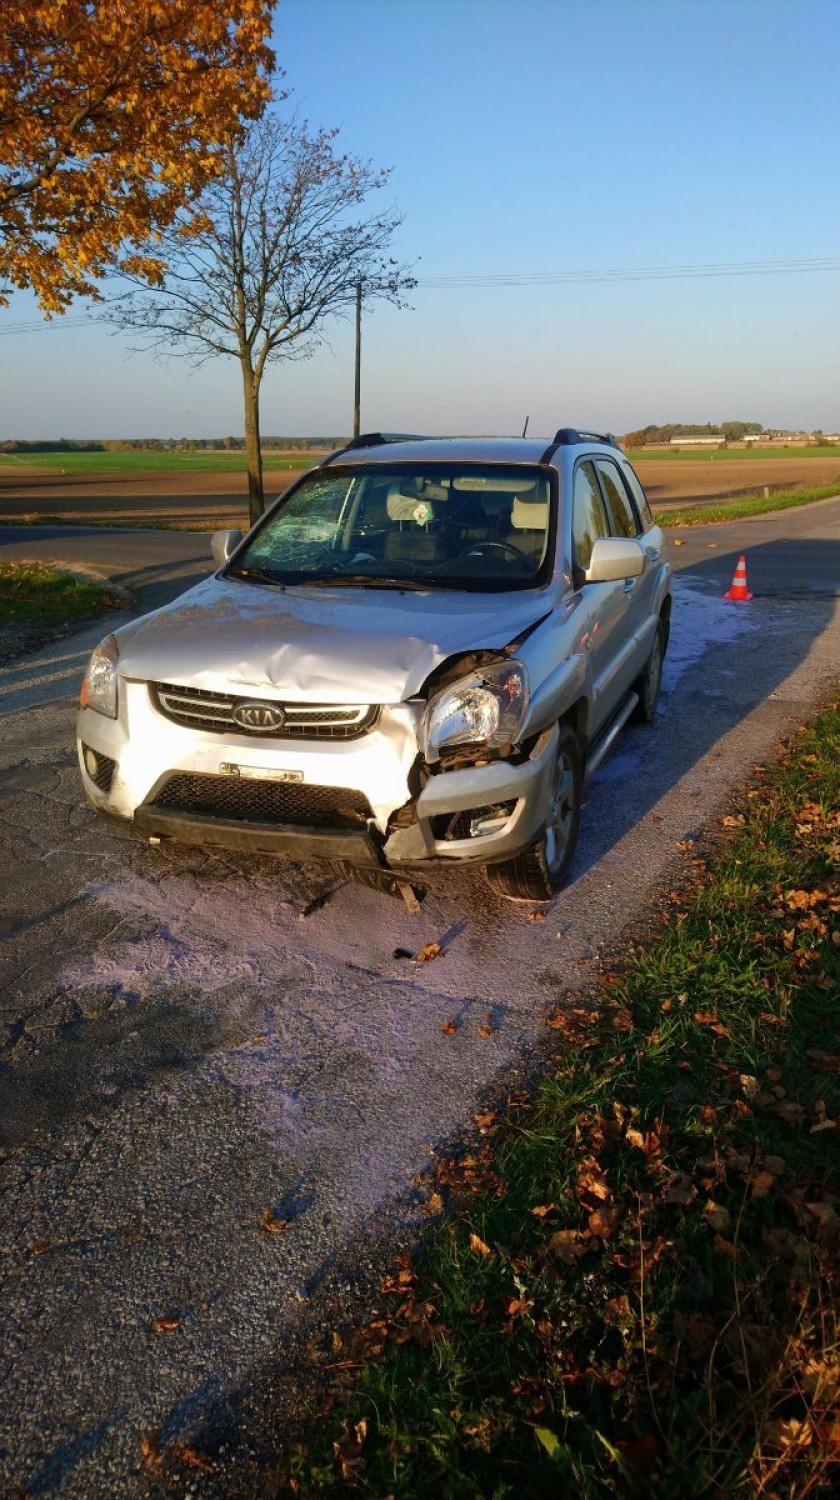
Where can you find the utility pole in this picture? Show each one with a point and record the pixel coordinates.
(358, 391)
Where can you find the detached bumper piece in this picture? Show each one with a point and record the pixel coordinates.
(293, 821)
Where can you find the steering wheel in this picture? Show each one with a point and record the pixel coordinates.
(478, 547)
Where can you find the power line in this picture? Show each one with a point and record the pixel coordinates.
(636, 273)
(502, 279)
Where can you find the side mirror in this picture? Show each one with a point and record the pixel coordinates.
(614, 558)
(223, 544)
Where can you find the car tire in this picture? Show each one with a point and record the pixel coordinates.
(540, 870)
(649, 683)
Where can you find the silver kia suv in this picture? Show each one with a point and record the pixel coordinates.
(417, 654)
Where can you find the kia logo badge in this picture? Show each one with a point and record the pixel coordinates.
(260, 718)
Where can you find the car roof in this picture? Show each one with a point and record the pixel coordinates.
(382, 448)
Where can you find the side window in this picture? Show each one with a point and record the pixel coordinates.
(631, 479)
(589, 519)
(624, 519)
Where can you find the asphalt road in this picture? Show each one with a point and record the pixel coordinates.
(190, 1041)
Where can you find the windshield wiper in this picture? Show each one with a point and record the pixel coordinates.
(361, 580)
(256, 575)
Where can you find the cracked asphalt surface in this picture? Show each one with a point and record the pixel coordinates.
(189, 1041)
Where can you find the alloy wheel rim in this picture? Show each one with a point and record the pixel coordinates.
(561, 811)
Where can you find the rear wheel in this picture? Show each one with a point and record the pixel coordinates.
(647, 686)
(540, 870)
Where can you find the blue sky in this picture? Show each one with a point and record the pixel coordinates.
(525, 136)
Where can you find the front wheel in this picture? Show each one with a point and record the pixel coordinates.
(540, 870)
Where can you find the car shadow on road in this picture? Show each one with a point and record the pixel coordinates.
(725, 660)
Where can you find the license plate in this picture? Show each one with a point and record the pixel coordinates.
(258, 773)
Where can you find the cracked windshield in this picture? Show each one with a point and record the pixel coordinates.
(463, 527)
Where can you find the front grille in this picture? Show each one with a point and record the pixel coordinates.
(213, 712)
(265, 801)
(100, 768)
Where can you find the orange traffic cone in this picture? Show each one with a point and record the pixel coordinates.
(738, 589)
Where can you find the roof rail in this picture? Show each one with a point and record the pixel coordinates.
(565, 436)
(373, 440)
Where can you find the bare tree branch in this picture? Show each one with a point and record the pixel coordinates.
(273, 250)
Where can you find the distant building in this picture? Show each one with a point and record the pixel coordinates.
(710, 440)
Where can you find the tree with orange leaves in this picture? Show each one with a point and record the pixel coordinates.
(113, 116)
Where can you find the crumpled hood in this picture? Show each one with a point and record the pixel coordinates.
(323, 645)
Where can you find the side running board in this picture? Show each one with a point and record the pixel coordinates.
(604, 743)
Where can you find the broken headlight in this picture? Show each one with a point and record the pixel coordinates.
(487, 708)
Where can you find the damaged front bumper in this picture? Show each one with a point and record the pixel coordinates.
(376, 804)
(479, 813)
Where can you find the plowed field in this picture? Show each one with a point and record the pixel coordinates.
(219, 499)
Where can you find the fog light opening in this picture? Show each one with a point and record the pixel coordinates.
(488, 820)
(91, 764)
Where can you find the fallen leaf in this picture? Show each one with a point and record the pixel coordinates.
(542, 1209)
(150, 1447)
(750, 1086)
(568, 1245)
(798, 900)
(434, 1204)
(681, 1191)
(536, 916)
(519, 1307)
(478, 1246)
(734, 820)
(708, 1018)
(485, 1120)
(428, 952)
(824, 1213)
(717, 1217)
(791, 1112)
(166, 1325)
(788, 1432)
(591, 1183)
(192, 1459)
(449, 1028)
(684, 844)
(487, 1028)
(604, 1221)
(270, 1223)
(619, 1308)
(761, 1184)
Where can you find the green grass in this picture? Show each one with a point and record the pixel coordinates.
(822, 450)
(148, 462)
(634, 1291)
(31, 593)
(746, 505)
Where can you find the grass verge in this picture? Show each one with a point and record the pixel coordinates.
(635, 1292)
(32, 593)
(747, 505)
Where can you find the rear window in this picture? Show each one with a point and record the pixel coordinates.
(464, 526)
(631, 479)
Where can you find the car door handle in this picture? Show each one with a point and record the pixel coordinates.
(629, 585)
(653, 553)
